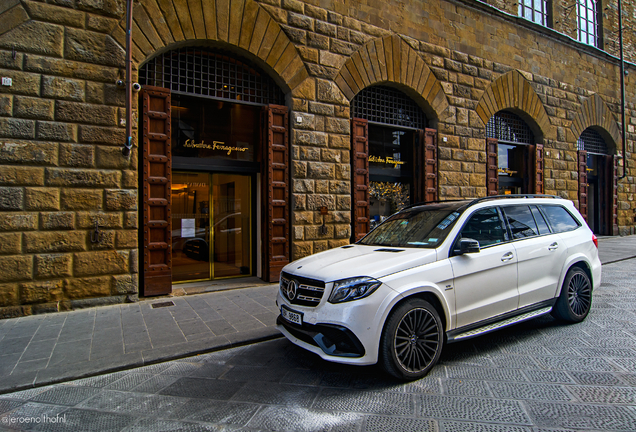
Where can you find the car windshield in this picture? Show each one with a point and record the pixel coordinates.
(421, 227)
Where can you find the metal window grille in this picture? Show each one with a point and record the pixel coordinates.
(534, 10)
(587, 22)
(386, 105)
(508, 127)
(592, 142)
(215, 74)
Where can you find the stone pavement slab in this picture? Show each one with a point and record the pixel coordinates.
(44, 349)
(537, 376)
(50, 348)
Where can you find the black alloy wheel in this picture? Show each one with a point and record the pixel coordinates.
(575, 301)
(412, 340)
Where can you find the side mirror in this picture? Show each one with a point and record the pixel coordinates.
(467, 246)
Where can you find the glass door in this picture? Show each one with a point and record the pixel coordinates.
(211, 226)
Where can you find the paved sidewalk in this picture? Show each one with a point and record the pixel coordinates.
(51, 348)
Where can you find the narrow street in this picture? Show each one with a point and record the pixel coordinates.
(538, 376)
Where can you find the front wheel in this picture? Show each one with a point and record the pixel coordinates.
(412, 340)
(575, 300)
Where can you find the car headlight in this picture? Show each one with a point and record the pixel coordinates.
(353, 289)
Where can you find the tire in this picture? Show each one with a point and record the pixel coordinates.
(412, 340)
(575, 300)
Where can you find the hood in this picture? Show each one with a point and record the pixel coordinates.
(358, 260)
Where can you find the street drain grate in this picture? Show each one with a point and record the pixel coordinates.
(162, 304)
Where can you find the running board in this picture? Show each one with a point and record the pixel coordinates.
(500, 324)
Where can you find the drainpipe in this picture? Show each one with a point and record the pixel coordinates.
(129, 20)
(620, 43)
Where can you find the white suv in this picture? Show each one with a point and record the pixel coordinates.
(437, 273)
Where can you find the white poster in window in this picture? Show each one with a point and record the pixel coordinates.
(187, 228)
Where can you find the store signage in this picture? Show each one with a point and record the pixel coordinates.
(388, 160)
(216, 145)
(506, 171)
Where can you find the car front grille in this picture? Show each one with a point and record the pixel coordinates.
(308, 292)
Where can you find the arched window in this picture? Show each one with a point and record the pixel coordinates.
(534, 10)
(209, 73)
(386, 105)
(592, 142)
(587, 17)
(510, 128)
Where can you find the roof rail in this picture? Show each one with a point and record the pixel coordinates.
(478, 200)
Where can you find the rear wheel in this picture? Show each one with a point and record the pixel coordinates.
(412, 340)
(575, 300)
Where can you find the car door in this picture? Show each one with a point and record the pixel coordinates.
(540, 254)
(485, 282)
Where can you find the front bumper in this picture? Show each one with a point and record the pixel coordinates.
(333, 340)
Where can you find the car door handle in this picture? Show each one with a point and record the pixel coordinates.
(507, 257)
(553, 246)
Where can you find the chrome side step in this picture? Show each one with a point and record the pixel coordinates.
(501, 324)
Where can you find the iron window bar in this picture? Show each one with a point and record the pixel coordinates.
(507, 127)
(387, 106)
(592, 142)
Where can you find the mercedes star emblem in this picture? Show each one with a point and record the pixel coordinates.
(291, 290)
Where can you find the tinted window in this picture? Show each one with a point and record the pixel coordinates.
(559, 218)
(541, 223)
(521, 222)
(486, 227)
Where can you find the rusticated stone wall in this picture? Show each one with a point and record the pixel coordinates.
(62, 120)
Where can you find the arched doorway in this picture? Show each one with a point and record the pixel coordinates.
(213, 123)
(394, 156)
(597, 182)
(515, 162)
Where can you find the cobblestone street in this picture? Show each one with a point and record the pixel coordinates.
(540, 376)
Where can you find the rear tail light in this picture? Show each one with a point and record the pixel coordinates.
(595, 240)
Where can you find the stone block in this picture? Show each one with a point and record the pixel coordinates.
(55, 14)
(121, 199)
(102, 240)
(21, 152)
(77, 155)
(53, 265)
(322, 186)
(42, 199)
(86, 220)
(130, 220)
(321, 108)
(317, 201)
(130, 179)
(18, 221)
(35, 37)
(16, 268)
(293, 5)
(81, 288)
(10, 243)
(41, 291)
(102, 135)
(71, 177)
(337, 125)
(67, 68)
(56, 131)
(125, 284)
(326, 28)
(63, 88)
(11, 198)
(331, 60)
(54, 241)
(91, 47)
(81, 199)
(23, 83)
(85, 113)
(320, 170)
(343, 171)
(6, 104)
(101, 24)
(17, 128)
(57, 221)
(328, 91)
(127, 239)
(309, 153)
(32, 108)
(100, 263)
(314, 139)
(9, 296)
(329, 155)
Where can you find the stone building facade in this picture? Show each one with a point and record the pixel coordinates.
(77, 221)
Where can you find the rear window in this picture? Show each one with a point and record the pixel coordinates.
(559, 218)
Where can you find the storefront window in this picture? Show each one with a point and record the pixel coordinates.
(233, 134)
(511, 168)
(390, 171)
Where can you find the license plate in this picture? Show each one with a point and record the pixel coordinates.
(291, 316)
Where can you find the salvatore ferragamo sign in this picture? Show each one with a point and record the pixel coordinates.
(216, 145)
